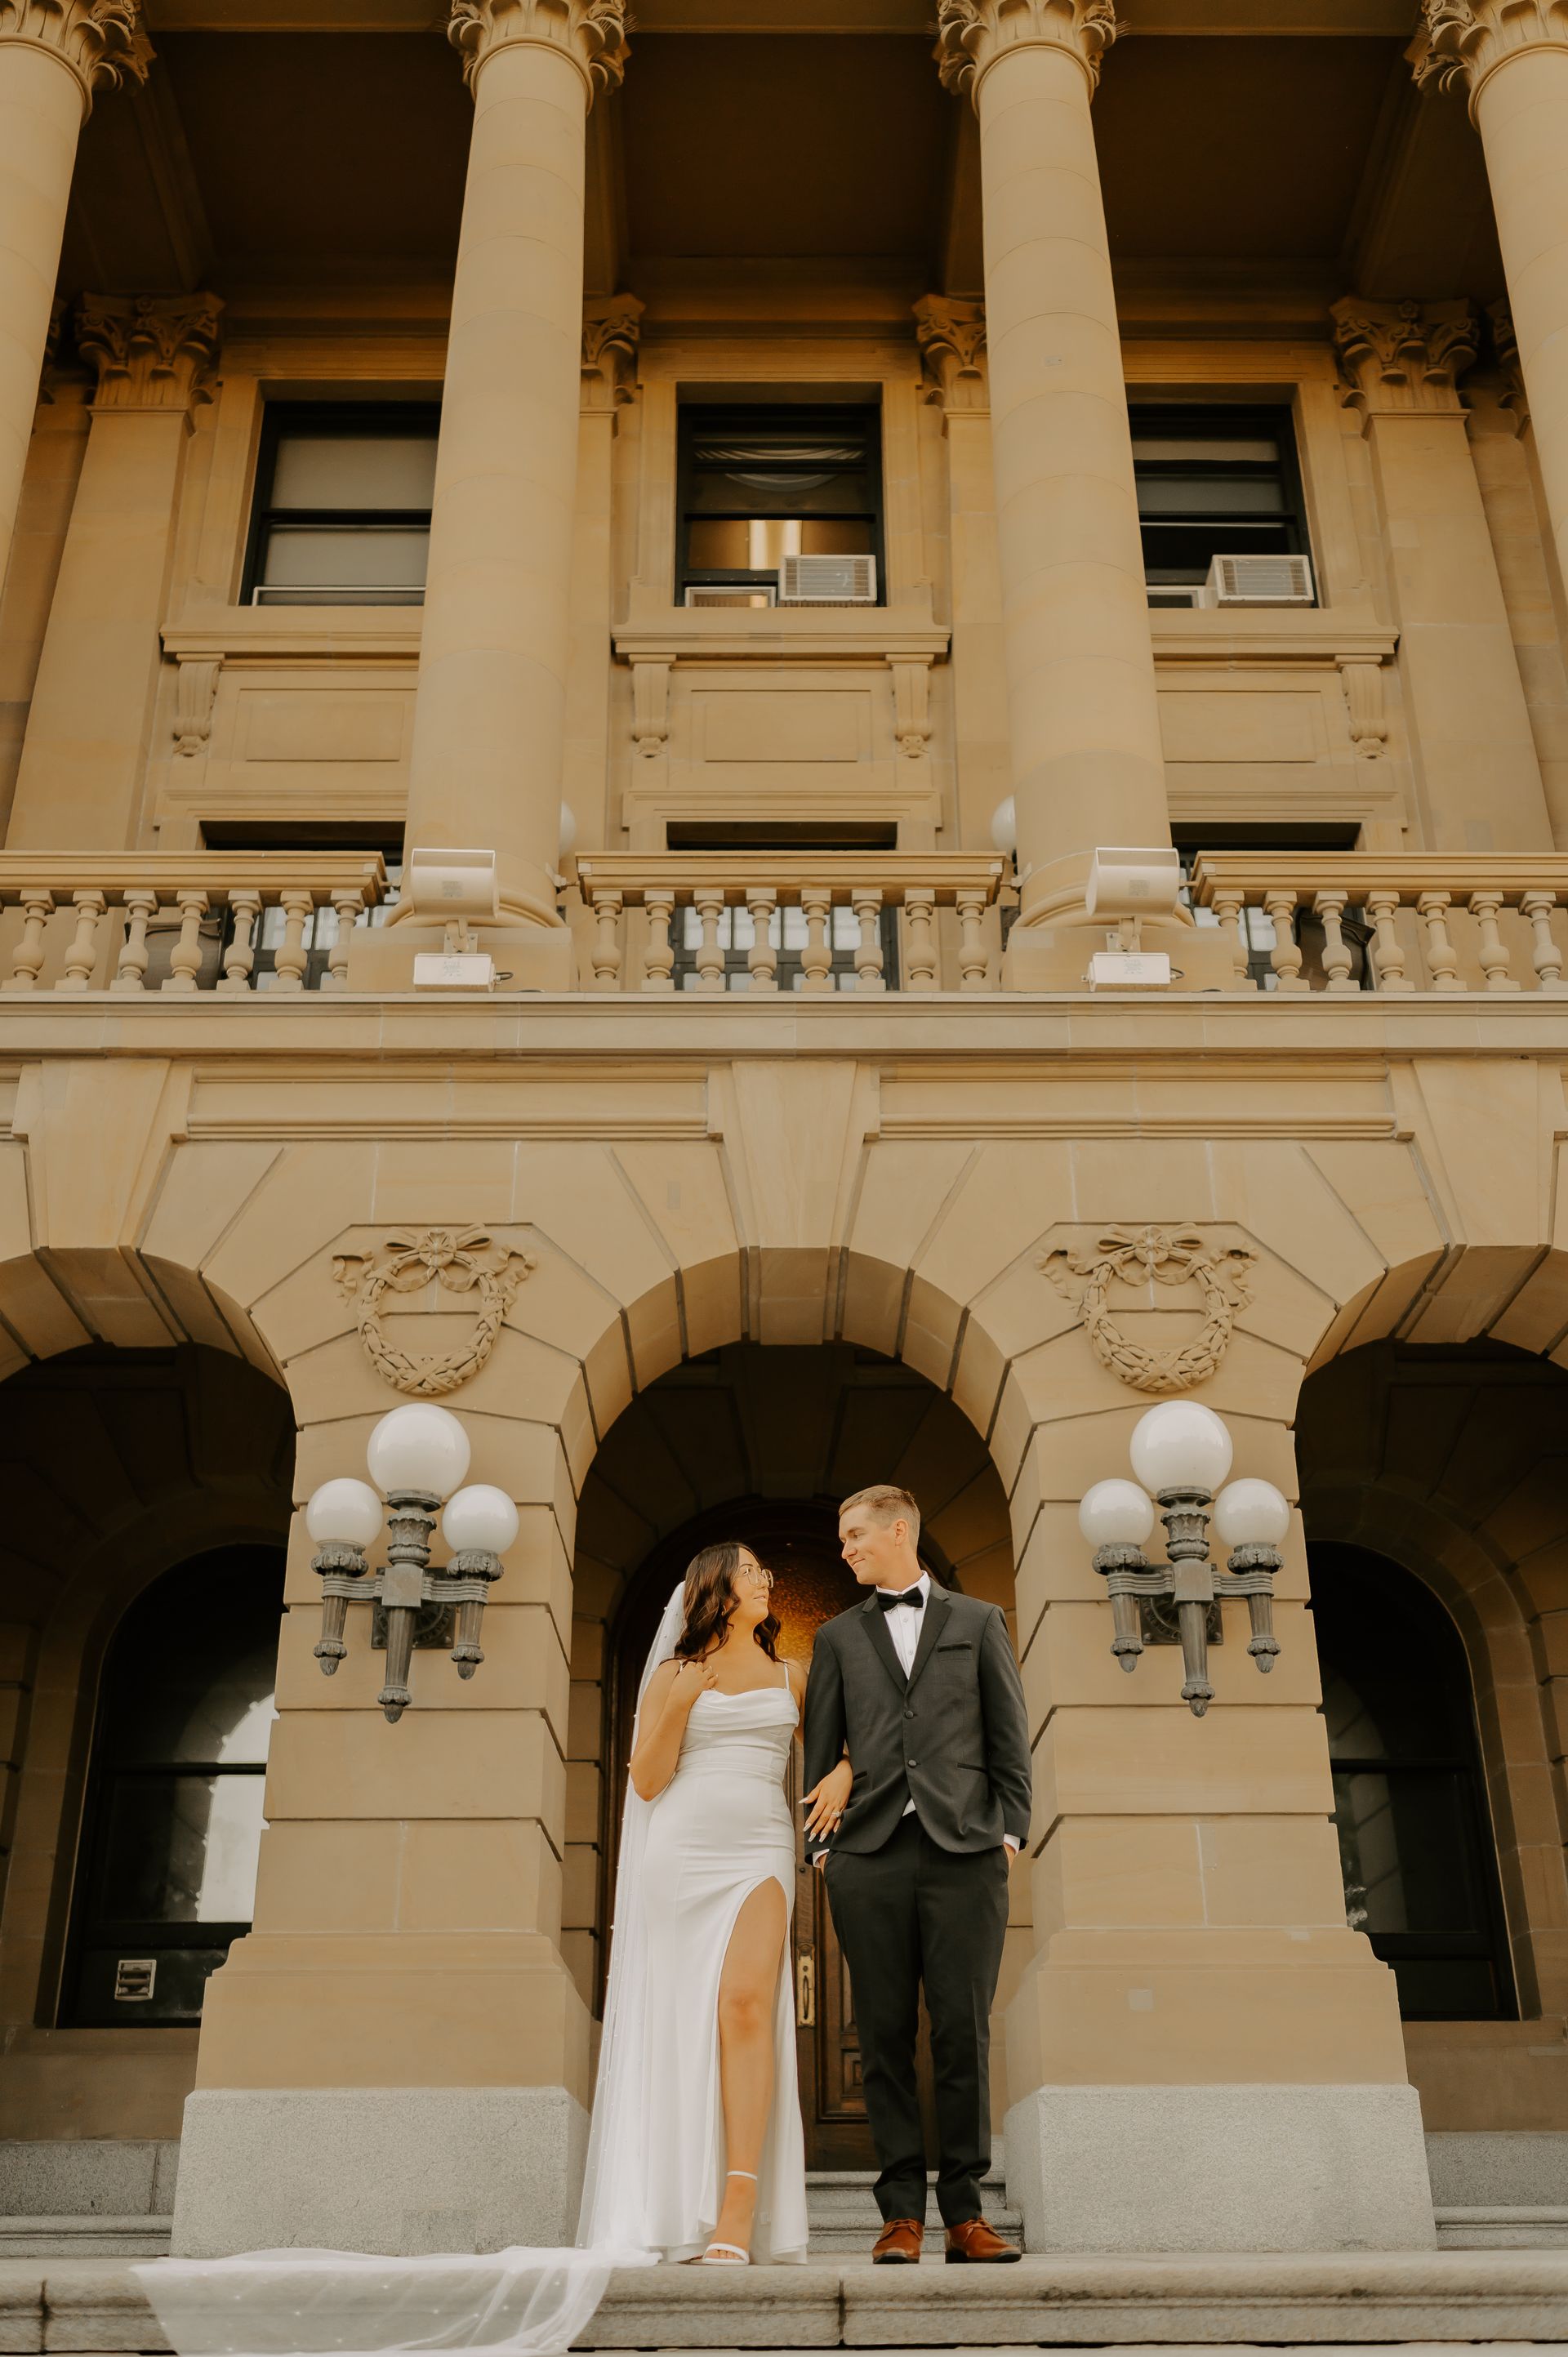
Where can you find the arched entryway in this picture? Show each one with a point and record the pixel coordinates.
(760, 1444)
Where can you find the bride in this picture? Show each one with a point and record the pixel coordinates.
(696, 2149)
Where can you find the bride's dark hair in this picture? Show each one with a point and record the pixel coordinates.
(710, 1604)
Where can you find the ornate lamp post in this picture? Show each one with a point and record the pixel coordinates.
(417, 1457)
(1181, 1451)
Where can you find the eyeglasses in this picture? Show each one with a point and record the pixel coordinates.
(756, 1574)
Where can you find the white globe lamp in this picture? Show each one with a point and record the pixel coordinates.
(419, 1448)
(480, 1520)
(344, 1513)
(1180, 1445)
(1004, 827)
(1251, 1513)
(1116, 1513)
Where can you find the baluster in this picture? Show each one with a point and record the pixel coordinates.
(293, 957)
(240, 957)
(659, 966)
(1442, 957)
(605, 952)
(817, 957)
(1545, 955)
(348, 901)
(80, 957)
(709, 902)
(1388, 958)
(28, 958)
(762, 958)
(185, 959)
(141, 908)
(974, 965)
(920, 938)
(866, 900)
(1330, 908)
(1230, 906)
(1494, 956)
(1285, 955)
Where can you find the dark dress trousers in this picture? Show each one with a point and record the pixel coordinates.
(922, 1899)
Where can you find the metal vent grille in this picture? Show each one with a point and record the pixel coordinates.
(753, 594)
(827, 581)
(1260, 581)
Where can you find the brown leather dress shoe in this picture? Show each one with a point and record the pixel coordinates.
(974, 2243)
(898, 2244)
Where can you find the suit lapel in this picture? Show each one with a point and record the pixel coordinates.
(881, 1637)
(932, 1619)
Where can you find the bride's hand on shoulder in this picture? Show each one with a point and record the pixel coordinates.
(829, 1799)
(691, 1679)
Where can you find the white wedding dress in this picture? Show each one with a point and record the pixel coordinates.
(720, 1829)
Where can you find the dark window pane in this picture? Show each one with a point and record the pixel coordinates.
(180, 1849)
(1406, 1849)
(1213, 482)
(354, 470)
(1452, 1988)
(756, 485)
(178, 1981)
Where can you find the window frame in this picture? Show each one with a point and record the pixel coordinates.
(807, 416)
(1226, 421)
(346, 418)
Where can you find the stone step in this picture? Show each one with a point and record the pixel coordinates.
(1503, 2227)
(1352, 2301)
(83, 2234)
(840, 2207)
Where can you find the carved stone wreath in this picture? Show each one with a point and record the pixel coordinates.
(1171, 1256)
(464, 1260)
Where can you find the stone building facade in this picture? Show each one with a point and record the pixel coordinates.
(404, 444)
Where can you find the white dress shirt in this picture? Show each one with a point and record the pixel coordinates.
(903, 1626)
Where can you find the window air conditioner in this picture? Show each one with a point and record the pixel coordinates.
(749, 593)
(1259, 581)
(827, 581)
(1179, 593)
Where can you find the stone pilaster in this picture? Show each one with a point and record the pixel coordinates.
(487, 760)
(950, 333)
(1510, 59)
(612, 329)
(54, 54)
(1471, 742)
(85, 752)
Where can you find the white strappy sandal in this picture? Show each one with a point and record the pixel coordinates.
(729, 2254)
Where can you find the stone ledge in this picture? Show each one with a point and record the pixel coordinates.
(1347, 2301)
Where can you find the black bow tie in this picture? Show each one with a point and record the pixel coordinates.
(909, 1596)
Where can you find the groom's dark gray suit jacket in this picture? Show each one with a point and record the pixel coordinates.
(953, 1737)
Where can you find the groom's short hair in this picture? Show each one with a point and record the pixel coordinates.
(886, 1501)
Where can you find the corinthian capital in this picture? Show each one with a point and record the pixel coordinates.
(950, 333)
(1406, 356)
(972, 34)
(1464, 40)
(151, 351)
(592, 33)
(101, 42)
(612, 327)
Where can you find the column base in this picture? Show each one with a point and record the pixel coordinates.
(527, 957)
(1055, 957)
(394, 2169)
(1220, 2168)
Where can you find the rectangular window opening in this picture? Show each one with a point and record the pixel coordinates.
(756, 485)
(342, 506)
(1213, 481)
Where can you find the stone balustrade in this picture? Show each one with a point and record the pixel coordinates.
(134, 921)
(860, 921)
(1344, 922)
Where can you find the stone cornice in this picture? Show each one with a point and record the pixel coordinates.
(950, 333)
(592, 33)
(101, 42)
(1465, 40)
(1404, 355)
(972, 34)
(612, 328)
(151, 351)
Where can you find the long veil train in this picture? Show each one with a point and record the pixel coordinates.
(513, 2303)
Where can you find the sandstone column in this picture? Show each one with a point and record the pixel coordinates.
(490, 720)
(84, 755)
(1087, 765)
(53, 54)
(1512, 58)
(1474, 748)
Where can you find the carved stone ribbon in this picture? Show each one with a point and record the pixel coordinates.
(462, 1261)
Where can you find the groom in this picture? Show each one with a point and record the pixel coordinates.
(921, 1687)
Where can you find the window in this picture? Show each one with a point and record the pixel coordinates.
(1416, 1840)
(1214, 482)
(174, 1805)
(343, 500)
(756, 485)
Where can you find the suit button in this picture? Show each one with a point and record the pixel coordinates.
(909, 1710)
(911, 1763)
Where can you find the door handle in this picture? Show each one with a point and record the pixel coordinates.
(805, 1992)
